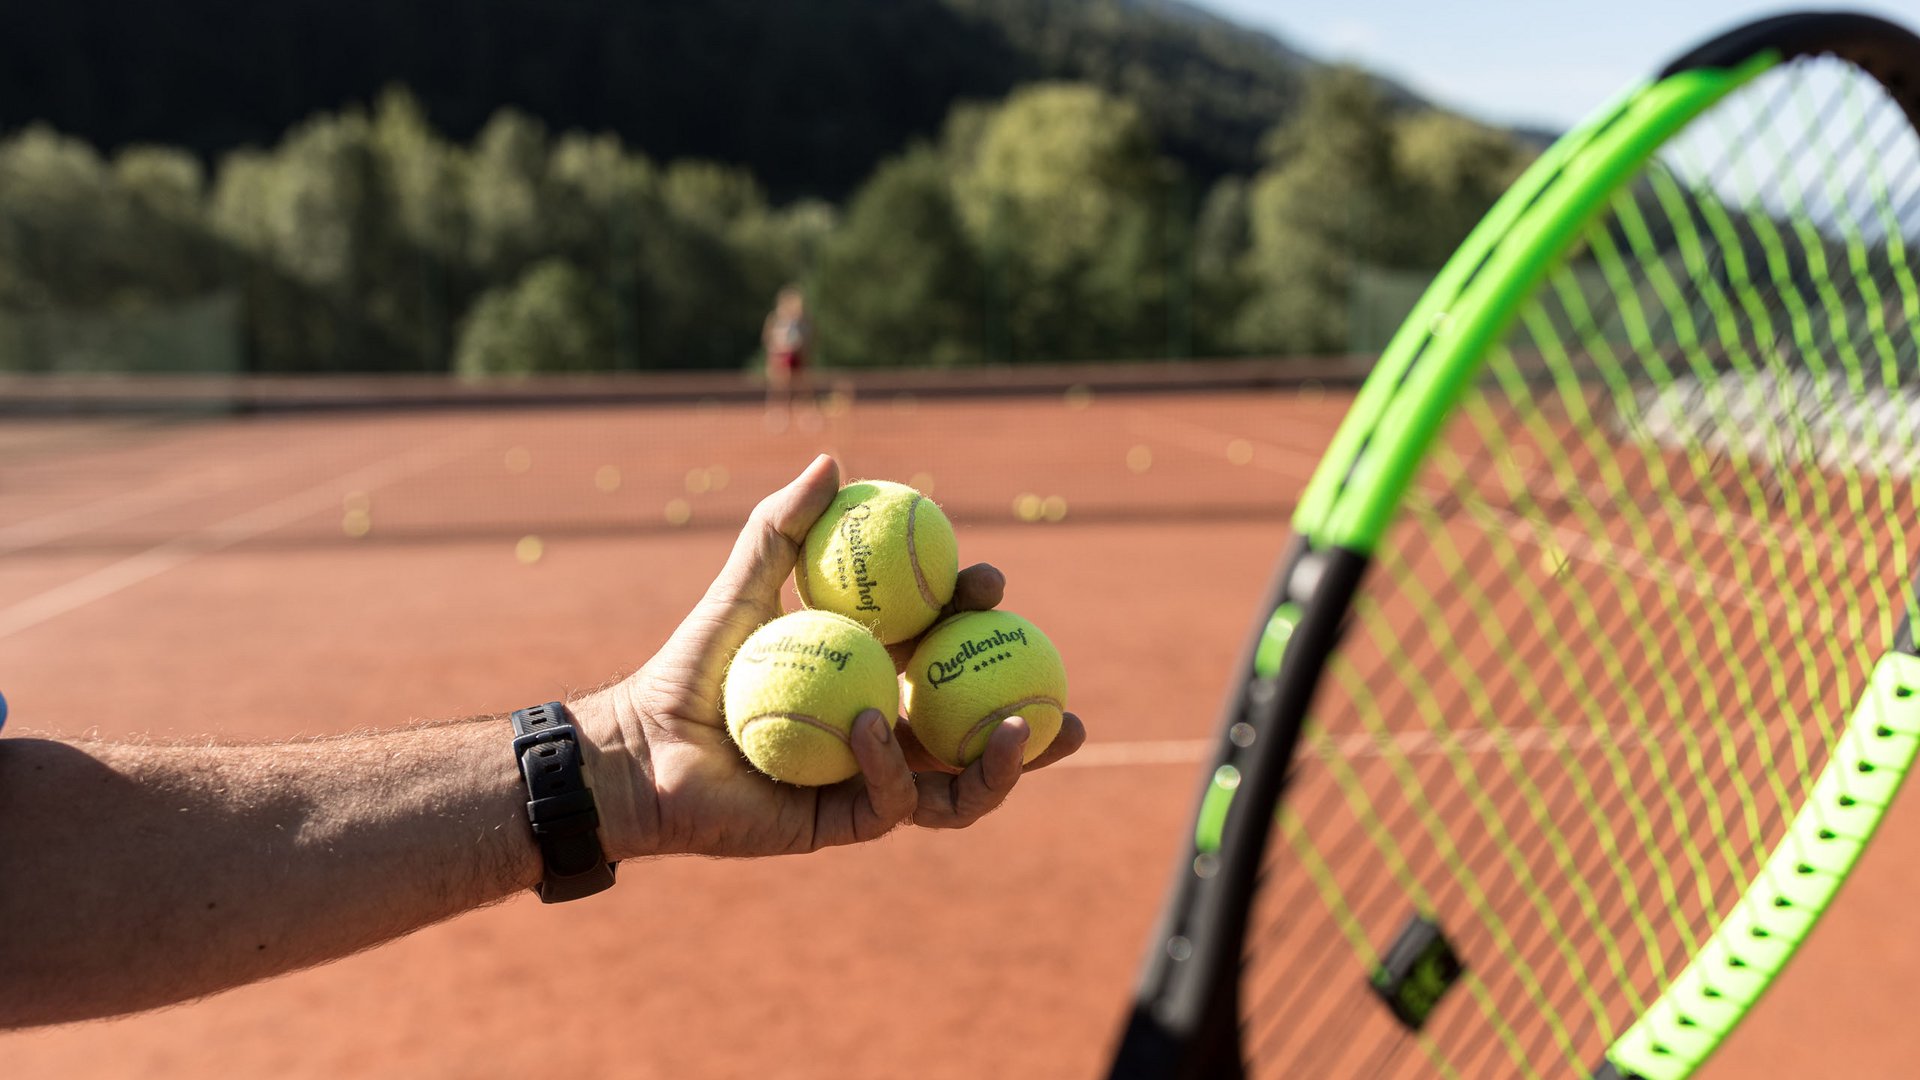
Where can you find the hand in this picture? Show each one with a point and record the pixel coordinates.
(668, 777)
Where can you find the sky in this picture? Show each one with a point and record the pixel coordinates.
(1538, 62)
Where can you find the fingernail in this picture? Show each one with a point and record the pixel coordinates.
(882, 732)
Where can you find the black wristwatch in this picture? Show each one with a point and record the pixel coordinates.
(560, 806)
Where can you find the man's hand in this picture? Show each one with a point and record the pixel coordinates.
(669, 779)
(191, 867)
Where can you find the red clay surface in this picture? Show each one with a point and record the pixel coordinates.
(182, 579)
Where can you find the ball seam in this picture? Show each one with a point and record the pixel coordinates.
(803, 718)
(999, 714)
(913, 553)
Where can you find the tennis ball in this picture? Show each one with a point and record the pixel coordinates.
(793, 690)
(882, 554)
(976, 669)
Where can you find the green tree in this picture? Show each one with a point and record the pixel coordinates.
(1354, 187)
(1327, 200)
(162, 181)
(1059, 165)
(167, 247)
(690, 301)
(313, 207)
(555, 318)
(418, 281)
(789, 242)
(899, 282)
(1222, 240)
(331, 278)
(1452, 170)
(595, 188)
(62, 222)
(507, 206)
(426, 177)
(714, 195)
(79, 232)
(1222, 234)
(1063, 193)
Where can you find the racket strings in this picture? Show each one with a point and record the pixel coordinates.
(1869, 277)
(1557, 737)
(1626, 607)
(1548, 926)
(1315, 809)
(1661, 585)
(1798, 419)
(1696, 763)
(1260, 1007)
(1440, 810)
(1542, 816)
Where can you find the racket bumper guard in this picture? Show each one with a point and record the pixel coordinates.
(1786, 898)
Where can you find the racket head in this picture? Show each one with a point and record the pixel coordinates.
(1610, 560)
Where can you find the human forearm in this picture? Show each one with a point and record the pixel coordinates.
(195, 868)
(135, 875)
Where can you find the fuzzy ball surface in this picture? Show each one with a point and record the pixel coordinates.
(794, 688)
(882, 554)
(973, 671)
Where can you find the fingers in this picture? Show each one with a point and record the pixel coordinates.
(1071, 737)
(888, 792)
(978, 588)
(889, 783)
(947, 801)
(769, 545)
(870, 805)
(1073, 734)
(747, 591)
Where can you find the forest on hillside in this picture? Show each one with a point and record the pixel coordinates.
(1048, 226)
(1125, 205)
(805, 96)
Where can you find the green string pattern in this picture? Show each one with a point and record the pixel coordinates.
(1623, 617)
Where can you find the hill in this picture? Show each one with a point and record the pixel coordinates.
(807, 97)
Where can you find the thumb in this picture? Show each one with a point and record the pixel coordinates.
(747, 591)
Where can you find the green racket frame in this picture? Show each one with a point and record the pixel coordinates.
(1185, 1006)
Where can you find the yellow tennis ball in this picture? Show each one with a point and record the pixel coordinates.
(794, 688)
(976, 669)
(882, 554)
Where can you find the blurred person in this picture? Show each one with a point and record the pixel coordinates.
(786, 335)
(141, 873)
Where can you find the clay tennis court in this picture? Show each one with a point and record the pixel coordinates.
(306, 573)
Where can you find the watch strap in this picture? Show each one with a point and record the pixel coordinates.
(560, 806)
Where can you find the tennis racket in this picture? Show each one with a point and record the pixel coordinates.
(1590, 669)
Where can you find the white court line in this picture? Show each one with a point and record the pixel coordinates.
(114, 508)
(1354, 745)
(1098, 755)
(156, 560)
